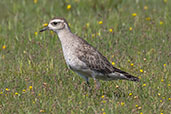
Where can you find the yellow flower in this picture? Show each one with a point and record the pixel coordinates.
(145, 7)
(93, 35)
(16, 93)
(161, 113)
(141, 113)
(104, 101)
(102, 96)
(169, 99)
(51, 32)
(87, 25)
(104, 112)
(110, 30)
(1, 92)
(7, 89)
(139, 77)
(130, 94)
(35, 33)
(102, 109)
(122, 103)
(100, 22)
(134, 14)
(136, 106)
(35, 1)
(144, 85)
(162, 80)
(69, 24)
(158, 94)
(117, 86)
(24, 90)
(132, 64)
(68, 7)
(45, 24)
(3, 47)
(164, 65)
(130, 28)
(141, 70)
(161, 101)
(147, 18)
(161, 22)
(169, 85)
(113, 63)
(30, 87)
(98, 34)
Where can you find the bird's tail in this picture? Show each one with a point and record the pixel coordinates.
(131, 78)
(124, 75)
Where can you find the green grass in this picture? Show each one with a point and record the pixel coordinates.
(30, 60)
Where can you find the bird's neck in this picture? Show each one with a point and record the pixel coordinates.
(66, 37)
(63, 34)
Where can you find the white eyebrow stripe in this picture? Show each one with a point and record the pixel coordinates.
(57, 20)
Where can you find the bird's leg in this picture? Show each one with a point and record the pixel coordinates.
(97, 83)
(88, 87)
(88, 83)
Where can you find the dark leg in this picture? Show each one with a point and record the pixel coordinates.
(97, 83)
(88, 83)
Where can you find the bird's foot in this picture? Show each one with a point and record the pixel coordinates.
(97, 83)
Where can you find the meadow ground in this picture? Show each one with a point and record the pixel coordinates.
(135, 35)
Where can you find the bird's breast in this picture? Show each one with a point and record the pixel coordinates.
(70, 56)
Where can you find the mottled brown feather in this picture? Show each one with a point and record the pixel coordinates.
(93, 58)
(96, 61)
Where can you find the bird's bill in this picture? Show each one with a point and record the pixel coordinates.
(44, 29)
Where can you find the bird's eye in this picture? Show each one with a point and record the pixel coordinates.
(54, 23)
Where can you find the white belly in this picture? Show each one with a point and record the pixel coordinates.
(72, 60)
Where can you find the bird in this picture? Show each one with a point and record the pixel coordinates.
(83, 58)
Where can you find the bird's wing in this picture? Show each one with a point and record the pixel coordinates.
(94, 59)
(99, 63)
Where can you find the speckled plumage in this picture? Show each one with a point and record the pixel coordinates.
(83, 58)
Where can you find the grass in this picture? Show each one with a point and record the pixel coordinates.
(35, 79)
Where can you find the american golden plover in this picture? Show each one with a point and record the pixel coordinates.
(83, 58)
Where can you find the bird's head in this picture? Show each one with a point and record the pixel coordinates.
(56, 25)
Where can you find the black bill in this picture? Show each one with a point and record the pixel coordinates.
(44, 29)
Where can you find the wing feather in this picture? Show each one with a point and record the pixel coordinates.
(93, 58)
(97, 62)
